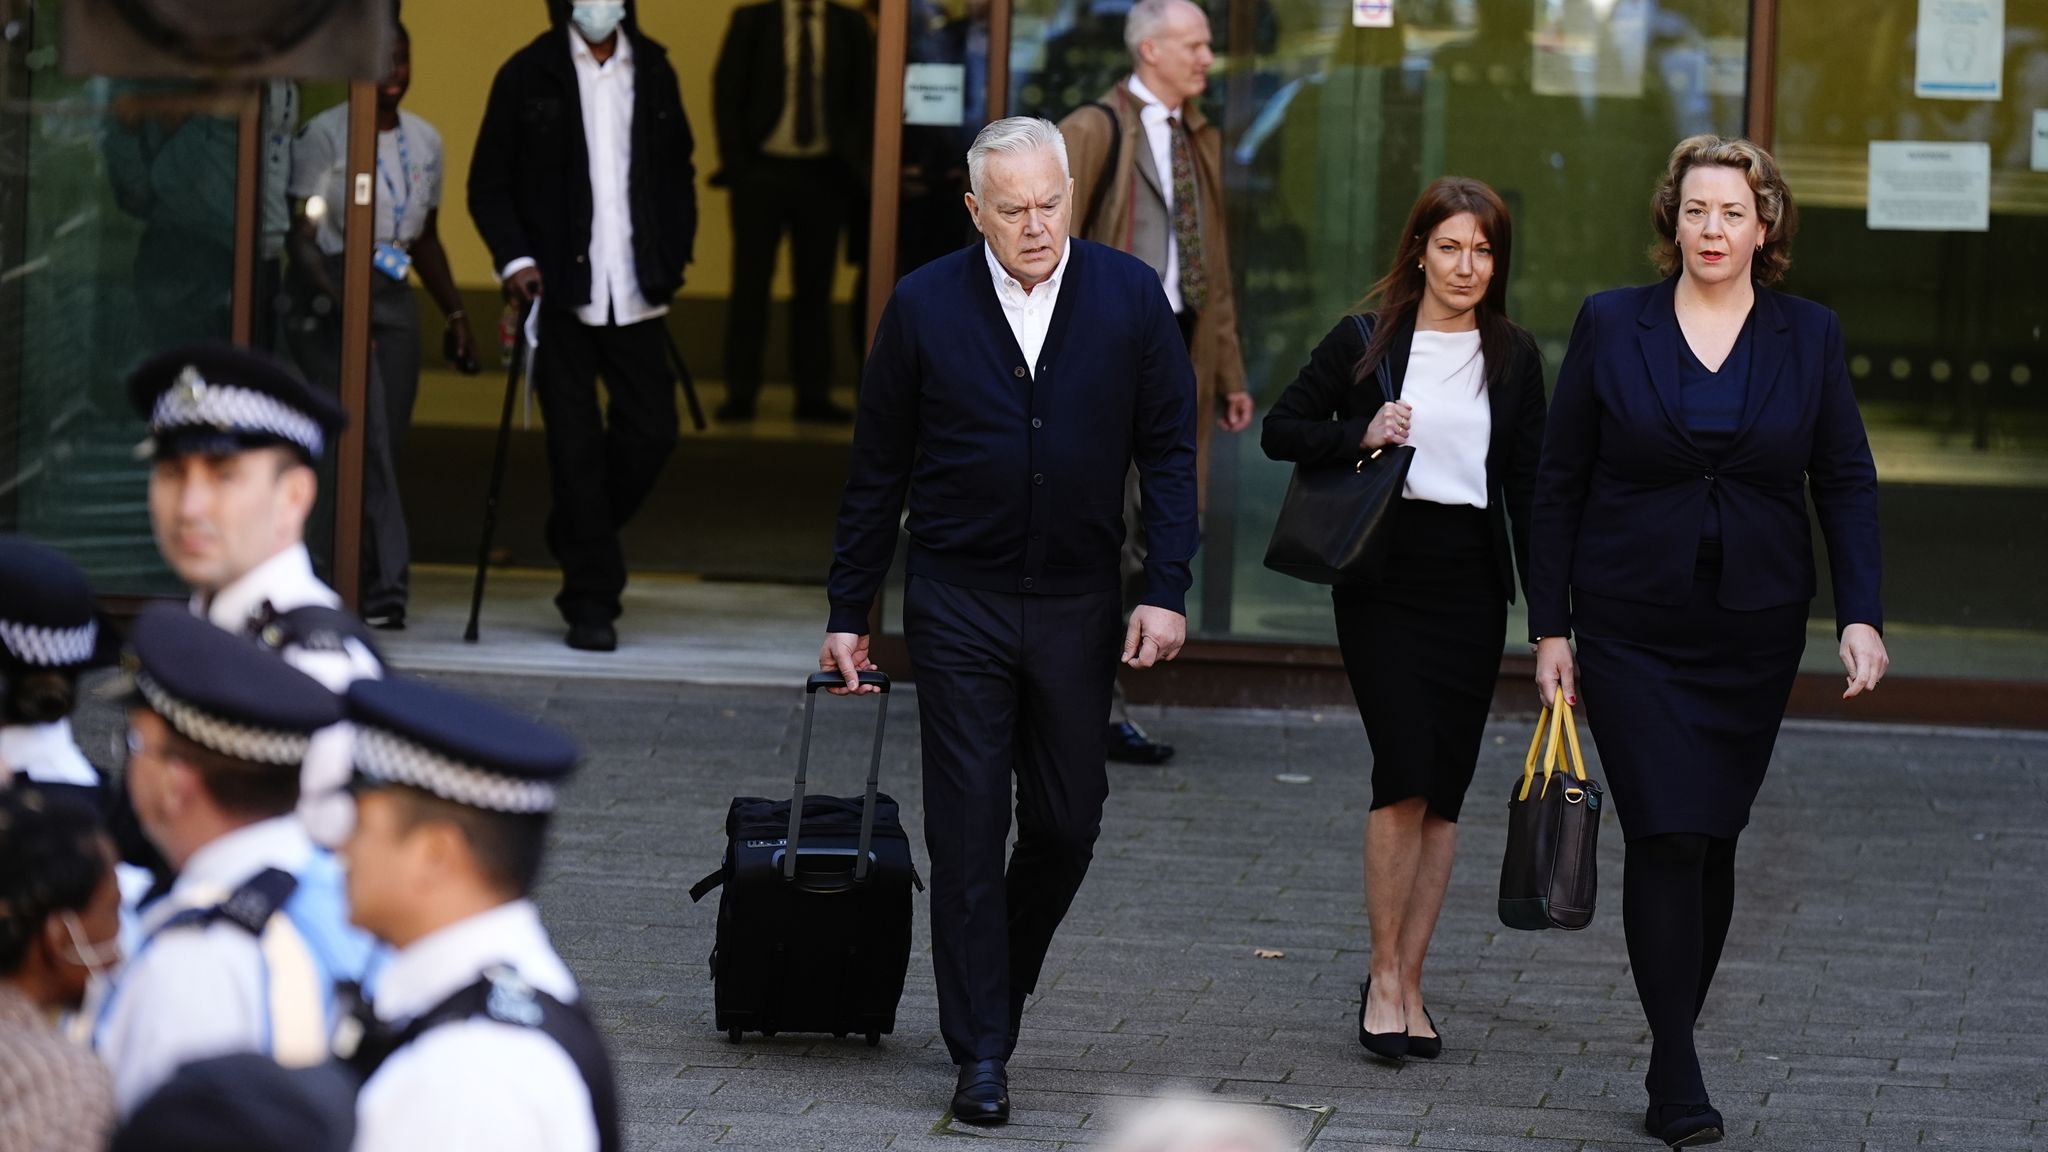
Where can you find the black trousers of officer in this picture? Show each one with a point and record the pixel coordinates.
(809, 200)
(1010, 686)
(601, 464)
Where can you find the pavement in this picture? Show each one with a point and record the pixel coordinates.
(1882, 987)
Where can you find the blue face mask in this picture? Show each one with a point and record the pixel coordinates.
(598, 19)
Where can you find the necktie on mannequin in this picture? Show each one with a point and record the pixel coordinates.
(1187, 218)
(806, 74)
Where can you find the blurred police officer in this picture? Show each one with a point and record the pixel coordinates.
(245, 1103)
(477, 1039)
(243, 953)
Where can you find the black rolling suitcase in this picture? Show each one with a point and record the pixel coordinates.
(814, 922)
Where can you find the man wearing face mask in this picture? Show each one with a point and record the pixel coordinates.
(243, 953)
(583, 189)
(59, 919)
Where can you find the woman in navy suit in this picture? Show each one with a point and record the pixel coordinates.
(1670, 536)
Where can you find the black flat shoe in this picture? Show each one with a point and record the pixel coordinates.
(1386, 1045)
(982, 1095)
(1127, 744)
(1426, 1047)
(1684, 1125)
(593, 637)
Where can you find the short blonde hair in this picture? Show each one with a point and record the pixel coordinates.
(1773, 202)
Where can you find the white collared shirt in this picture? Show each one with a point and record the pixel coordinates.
(1159, 134)
(782, 141)
(607, 96)
(1452, 425)
(1029, 313)
(45, 754)
(194, 993)
(478, 1084)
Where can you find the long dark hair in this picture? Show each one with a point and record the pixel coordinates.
(1397, 297)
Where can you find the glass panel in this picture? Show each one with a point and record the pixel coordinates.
(117, 237)
(1942, 328)
(1567, 107)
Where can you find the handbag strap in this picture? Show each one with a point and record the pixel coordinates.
(1562, 729)
(1382, 372)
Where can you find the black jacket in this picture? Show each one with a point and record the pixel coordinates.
(748, 87)
(529, 182)
(1321, 420)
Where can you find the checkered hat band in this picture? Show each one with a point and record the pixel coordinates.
(49, 647)
(386, 756)
(256, 745)
(232, 409)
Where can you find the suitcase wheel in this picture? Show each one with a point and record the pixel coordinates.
(733, 1034)
(874, 1039)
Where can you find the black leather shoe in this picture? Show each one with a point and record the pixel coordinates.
(734, 412)
(1426, 1047)
(983, 1093)
(823, 412)
(386, 621)
(1385, 1045)
(1128, 744)
(593, 637)
(1684, 1125)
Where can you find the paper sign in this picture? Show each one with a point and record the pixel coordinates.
(2041, 139)
(1916, 186)
(1590, 48)
(1960, 50)
(935, 94)
(1372, 13)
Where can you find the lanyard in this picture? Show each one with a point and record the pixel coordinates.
(399, 202)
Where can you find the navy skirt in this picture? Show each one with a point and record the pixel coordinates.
(1684, 703)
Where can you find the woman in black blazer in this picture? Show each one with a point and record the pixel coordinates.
(1691, 419)
(1422, 645)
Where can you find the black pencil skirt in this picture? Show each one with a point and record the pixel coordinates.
(1422, 647)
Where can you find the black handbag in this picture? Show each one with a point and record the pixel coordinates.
(1548, 878)
(1332, 527)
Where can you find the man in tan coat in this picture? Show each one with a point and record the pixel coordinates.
(1148, 179)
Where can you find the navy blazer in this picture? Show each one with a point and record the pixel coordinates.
(1320, 421)
(1621, 493)
(1016, 478)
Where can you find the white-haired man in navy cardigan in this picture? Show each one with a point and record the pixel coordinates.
(1011, 386)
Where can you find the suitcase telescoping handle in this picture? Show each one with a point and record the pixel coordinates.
(803, 763)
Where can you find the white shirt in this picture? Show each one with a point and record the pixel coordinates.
(285, 582)
(192, 993)
(1452, 426)
(476, 1085)
(46, 754)
(782, 141)
(1029, 313)
(408, 177)
(1159, 134)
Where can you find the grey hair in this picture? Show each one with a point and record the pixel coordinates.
(1146, 21)
(1014, 136)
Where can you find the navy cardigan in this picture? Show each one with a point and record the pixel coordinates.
(1621, 493)
(1016, 479)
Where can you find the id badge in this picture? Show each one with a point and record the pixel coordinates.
(392, 261)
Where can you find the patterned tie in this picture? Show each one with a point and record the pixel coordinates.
(1187, 219)
(806, 76)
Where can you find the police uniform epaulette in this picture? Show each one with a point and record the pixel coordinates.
(313, 628)
(249, 907)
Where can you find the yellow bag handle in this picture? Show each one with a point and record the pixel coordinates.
(1559, 720)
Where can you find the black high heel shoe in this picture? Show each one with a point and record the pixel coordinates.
(1426, 1047)
(1684, 1125)
(1386, 1045)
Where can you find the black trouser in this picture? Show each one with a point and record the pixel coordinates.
(1677, 897)
(601, 465)
(1008, 686)
(809, 200)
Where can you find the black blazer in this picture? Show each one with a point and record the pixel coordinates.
(1321, 420)
(748, 87)
(1622, 492)
(529, 182)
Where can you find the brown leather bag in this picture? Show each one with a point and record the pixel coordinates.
(1548, 878)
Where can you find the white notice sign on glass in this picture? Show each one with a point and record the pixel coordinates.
(935, 94)
(1960, 50)
(1917, 186)
(1372, 13)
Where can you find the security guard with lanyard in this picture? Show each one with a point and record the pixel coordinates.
(476, 1039)
(244, 952)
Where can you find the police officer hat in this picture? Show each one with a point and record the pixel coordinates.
(225, 693)
(48, 618)
(462, 750)
(247, 1103)
(217, 399)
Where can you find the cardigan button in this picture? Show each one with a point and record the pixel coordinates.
(1038, 477)
(1037, 423)
(1027, 583)
(1018, 372)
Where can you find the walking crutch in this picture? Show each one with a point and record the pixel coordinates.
(683, 373)
(483, 548)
